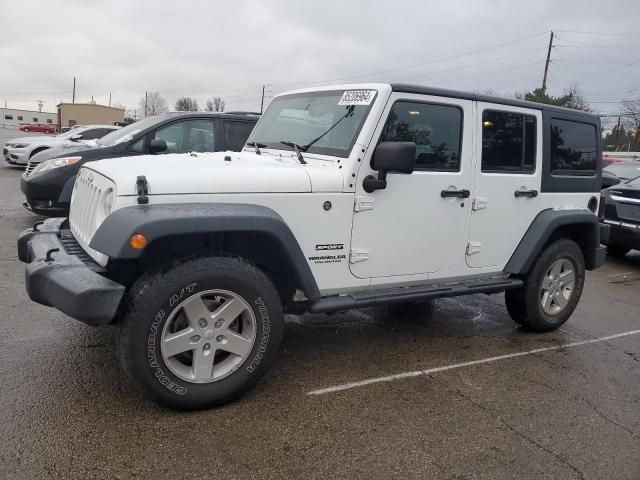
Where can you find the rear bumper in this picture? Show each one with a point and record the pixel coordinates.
(56, 278)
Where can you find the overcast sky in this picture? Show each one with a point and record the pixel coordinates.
(231, 48)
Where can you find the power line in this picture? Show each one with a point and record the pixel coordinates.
(600, 33)
(442, 59)
(469, 65)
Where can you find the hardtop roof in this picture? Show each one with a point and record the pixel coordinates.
(442, 92)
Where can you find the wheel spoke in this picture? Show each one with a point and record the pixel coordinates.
(178, 342)
(194, 310)
(236, 344)
(567, 277)
(560, 300)
(546, 301)
(228, 311)
(556, 268)
(203, 364)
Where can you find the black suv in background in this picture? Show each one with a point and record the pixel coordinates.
(48, 181)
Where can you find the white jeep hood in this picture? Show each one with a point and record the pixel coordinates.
(211, 173)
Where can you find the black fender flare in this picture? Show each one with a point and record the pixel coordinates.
(158, 221)
(543, 227)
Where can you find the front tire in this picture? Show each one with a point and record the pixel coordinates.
(552, 288)
(200, 332)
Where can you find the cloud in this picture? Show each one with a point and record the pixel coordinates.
(231, 48)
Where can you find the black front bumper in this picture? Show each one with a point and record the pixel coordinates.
(624, 234)
(43, 192)
(59, 274)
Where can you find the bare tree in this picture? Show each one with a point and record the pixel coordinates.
(215, 105)
(152, 104)
(186, 104)
(631, 109)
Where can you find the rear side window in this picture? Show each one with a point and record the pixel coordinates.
(508, 142)
(573, 148)
(236, 134)
(435, 129)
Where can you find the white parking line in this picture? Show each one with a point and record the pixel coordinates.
(417, 373)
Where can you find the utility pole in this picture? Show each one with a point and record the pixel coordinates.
(109, 98)
(40, 103)
(262, 101)
(145, 104)
(74, 91)
(546, 65)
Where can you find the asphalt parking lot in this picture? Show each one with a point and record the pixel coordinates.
(450, 389)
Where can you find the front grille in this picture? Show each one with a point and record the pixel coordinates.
(31, 166)
(628, 212)
(87, 209)
(84, 205)
(72, 247)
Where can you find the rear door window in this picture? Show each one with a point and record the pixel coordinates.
(508, 142)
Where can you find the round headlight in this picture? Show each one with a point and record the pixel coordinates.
(107, 202)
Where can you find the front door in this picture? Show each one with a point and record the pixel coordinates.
(507, 182)
(418, 223)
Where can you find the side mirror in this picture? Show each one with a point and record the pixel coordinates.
(76, 137)
(397, 157)
(157, 145)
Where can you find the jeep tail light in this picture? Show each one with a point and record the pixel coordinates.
(601, 207)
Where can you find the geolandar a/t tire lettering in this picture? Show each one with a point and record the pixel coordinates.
(200, 332)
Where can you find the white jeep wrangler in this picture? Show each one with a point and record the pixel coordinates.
(343, 197)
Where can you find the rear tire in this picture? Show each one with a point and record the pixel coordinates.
(199, 332)
(617, 251)
(552, 288)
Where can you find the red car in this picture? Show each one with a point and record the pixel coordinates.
(38, 127)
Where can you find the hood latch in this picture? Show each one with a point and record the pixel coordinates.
(143, 190)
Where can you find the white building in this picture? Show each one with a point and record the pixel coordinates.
(13, 118)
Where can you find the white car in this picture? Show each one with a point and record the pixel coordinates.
(343, 197)
(18, 151)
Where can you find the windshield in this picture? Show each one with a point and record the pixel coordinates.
(326, 123)
(124, 134)
(624, 170)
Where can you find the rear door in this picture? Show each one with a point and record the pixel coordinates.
(507, 182)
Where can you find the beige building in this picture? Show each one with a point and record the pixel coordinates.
(70, 114)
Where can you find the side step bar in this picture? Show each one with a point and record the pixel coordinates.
(349, 301)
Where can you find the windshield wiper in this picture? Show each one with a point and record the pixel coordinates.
(257, 146)
(349, 113)
(297, 148)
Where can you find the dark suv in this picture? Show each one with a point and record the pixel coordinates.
(48, 182)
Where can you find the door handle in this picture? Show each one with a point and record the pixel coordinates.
(464, 193)
(526, 193)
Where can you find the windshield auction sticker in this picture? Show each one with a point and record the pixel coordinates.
(357, 97)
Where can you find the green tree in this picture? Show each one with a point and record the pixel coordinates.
(572, 97)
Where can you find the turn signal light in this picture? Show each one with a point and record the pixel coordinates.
(138, 241)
